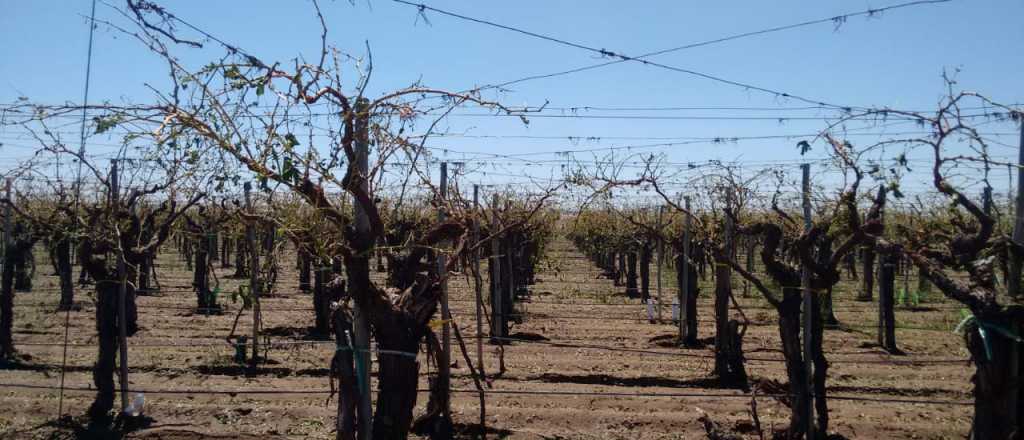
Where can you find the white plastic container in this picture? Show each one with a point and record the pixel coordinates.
(135, 405)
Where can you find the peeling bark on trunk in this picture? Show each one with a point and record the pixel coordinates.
(103, 369)
(206, 302)
(323, 296)
(789, 332)
(728, 341)
(343, 370)
(399, 375)
(396, 331)
(435, 423)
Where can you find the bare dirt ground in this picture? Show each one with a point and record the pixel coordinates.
(193, 389)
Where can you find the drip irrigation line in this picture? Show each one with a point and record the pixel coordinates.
(317, 343)
(754, 306)
(537, 315)
(498, 392)
(711, 356)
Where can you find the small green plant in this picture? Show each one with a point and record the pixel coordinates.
(212, 296)
(908, 299)
(245, 294)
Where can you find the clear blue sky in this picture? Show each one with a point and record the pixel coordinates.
(894, 60)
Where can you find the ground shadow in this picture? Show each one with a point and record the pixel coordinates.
(672, 341)
(472, 431)
(605, 379)
(527, 336)
(894, 391)
(307, 333)
(68, 428)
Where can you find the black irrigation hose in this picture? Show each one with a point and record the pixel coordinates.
(505, 392)
(711, 356)
(314, 343)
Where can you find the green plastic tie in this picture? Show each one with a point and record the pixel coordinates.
(358, 355)
(983, 330)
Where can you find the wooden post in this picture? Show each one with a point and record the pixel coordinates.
(477, 282)
(723, 290)
(8, 212)
(1016, 258)
(886, 315)
(254, 284)
(7, 288)
(444, 364)
(497, 312)
(211, 245)
(510, 259)
(684, 290)
(122, 292)
(360, 323)
(906, 279)
(750, 242)
(661, 259)
(807, 306)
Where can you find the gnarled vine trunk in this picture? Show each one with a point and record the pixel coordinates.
(17, 252)
(998, 408)
(796, 371)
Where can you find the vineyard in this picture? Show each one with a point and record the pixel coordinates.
(275, 249)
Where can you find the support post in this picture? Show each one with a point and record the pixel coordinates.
(723, 290)
(661, 260)
(807, 307)
(906, 279)
(477, 282)
(7, 288)
(122, 293)
(497, 309)
(886, 314)
(1017, 258)
(360, 323)
(510, 261)
(445, 364)
(684, 289)
(254, 284)
(750, 243)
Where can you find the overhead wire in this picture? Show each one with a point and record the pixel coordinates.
(622, 57)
